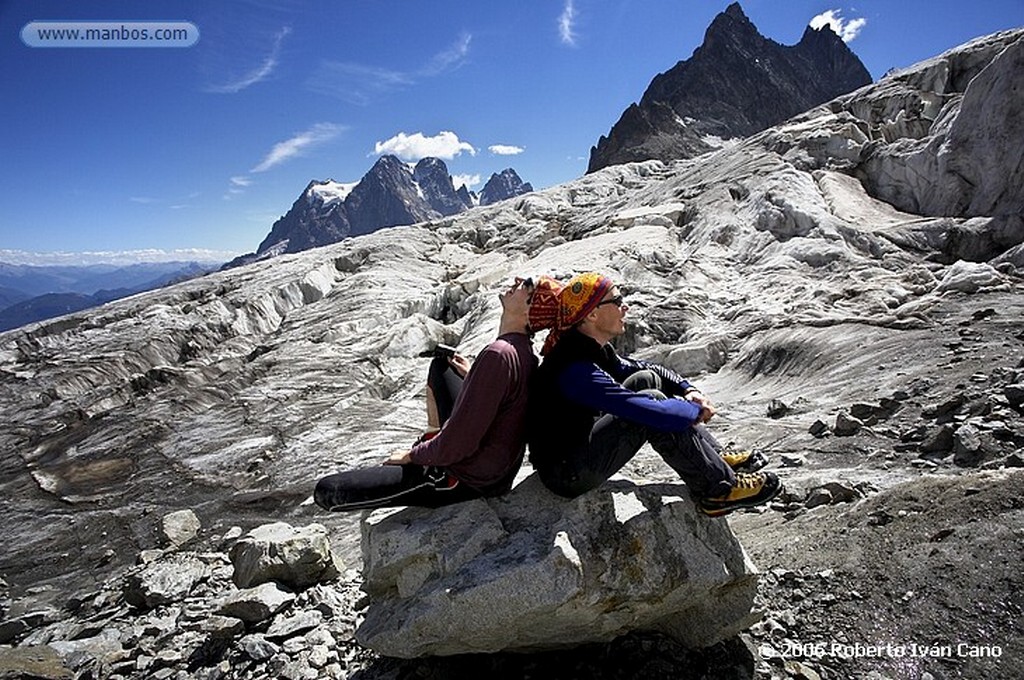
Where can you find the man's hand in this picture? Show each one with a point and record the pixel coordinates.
(707, 411)
(398, 458)
(460, 363)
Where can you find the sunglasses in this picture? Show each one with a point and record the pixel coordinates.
(617, 301)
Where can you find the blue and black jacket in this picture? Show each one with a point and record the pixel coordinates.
(579, 381)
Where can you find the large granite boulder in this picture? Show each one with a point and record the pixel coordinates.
(532, 571)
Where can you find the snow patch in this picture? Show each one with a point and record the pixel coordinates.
(331, 192)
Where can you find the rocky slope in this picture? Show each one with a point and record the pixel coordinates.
(736, 83)
(875, 351)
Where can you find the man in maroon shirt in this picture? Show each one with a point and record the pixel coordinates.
(479, 447)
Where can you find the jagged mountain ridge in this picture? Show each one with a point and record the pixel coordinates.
(769, 270)
(390, 194)
(736, 83)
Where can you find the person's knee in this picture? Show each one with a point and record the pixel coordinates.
(644, 380)
(324, 492)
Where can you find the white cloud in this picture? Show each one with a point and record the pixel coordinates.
(241, 181)
(465, 180)
(320, 133)
(142, 200)
(445, 144)
(847, 30)
(505, 150)
(567, 24)
(261, 72)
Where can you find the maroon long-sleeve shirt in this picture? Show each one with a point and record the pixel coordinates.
(483, 441)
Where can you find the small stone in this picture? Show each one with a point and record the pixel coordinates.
(777, 409)
(179, 527)
(258, 648)
(939, 440)
(299, 622)
(253, 605)
(1015, 394)
(847, 425)
(818, 429)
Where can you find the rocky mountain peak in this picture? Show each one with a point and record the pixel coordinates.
(735, 84)
(731, 25)
(503, 185)
(431, 174)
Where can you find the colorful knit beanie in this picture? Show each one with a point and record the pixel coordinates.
(580, 296)
(544, 303)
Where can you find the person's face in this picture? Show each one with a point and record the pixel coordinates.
(610, 313)
(516, 300)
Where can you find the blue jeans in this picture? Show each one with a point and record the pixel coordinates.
(694, 454)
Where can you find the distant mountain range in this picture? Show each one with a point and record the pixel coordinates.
(392, 193)
(736, 84)
(31, 293)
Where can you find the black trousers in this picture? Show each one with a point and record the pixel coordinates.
(695, 454)
(399, 485)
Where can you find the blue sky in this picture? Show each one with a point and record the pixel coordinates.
(203, 147)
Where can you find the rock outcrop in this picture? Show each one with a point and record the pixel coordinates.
(531, 571)
(736, 83)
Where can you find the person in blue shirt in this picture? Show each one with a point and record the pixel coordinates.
(592, 410)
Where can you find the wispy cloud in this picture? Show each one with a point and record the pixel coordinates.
(320, 133)
(356, 83)
(448, 59)
(258, 74)
(361, 84)
(241, 181)
(505, 150)
(847, 30)
(567, 24)
(445, 144)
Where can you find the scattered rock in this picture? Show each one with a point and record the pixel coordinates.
(1015, 395)
(791, 460)
(180, 527)
(298, 557)
(939, 440)
(777, 409)
(164, 581)
(253, 605)
(847, 425)
(831, 493)
(818, 429)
